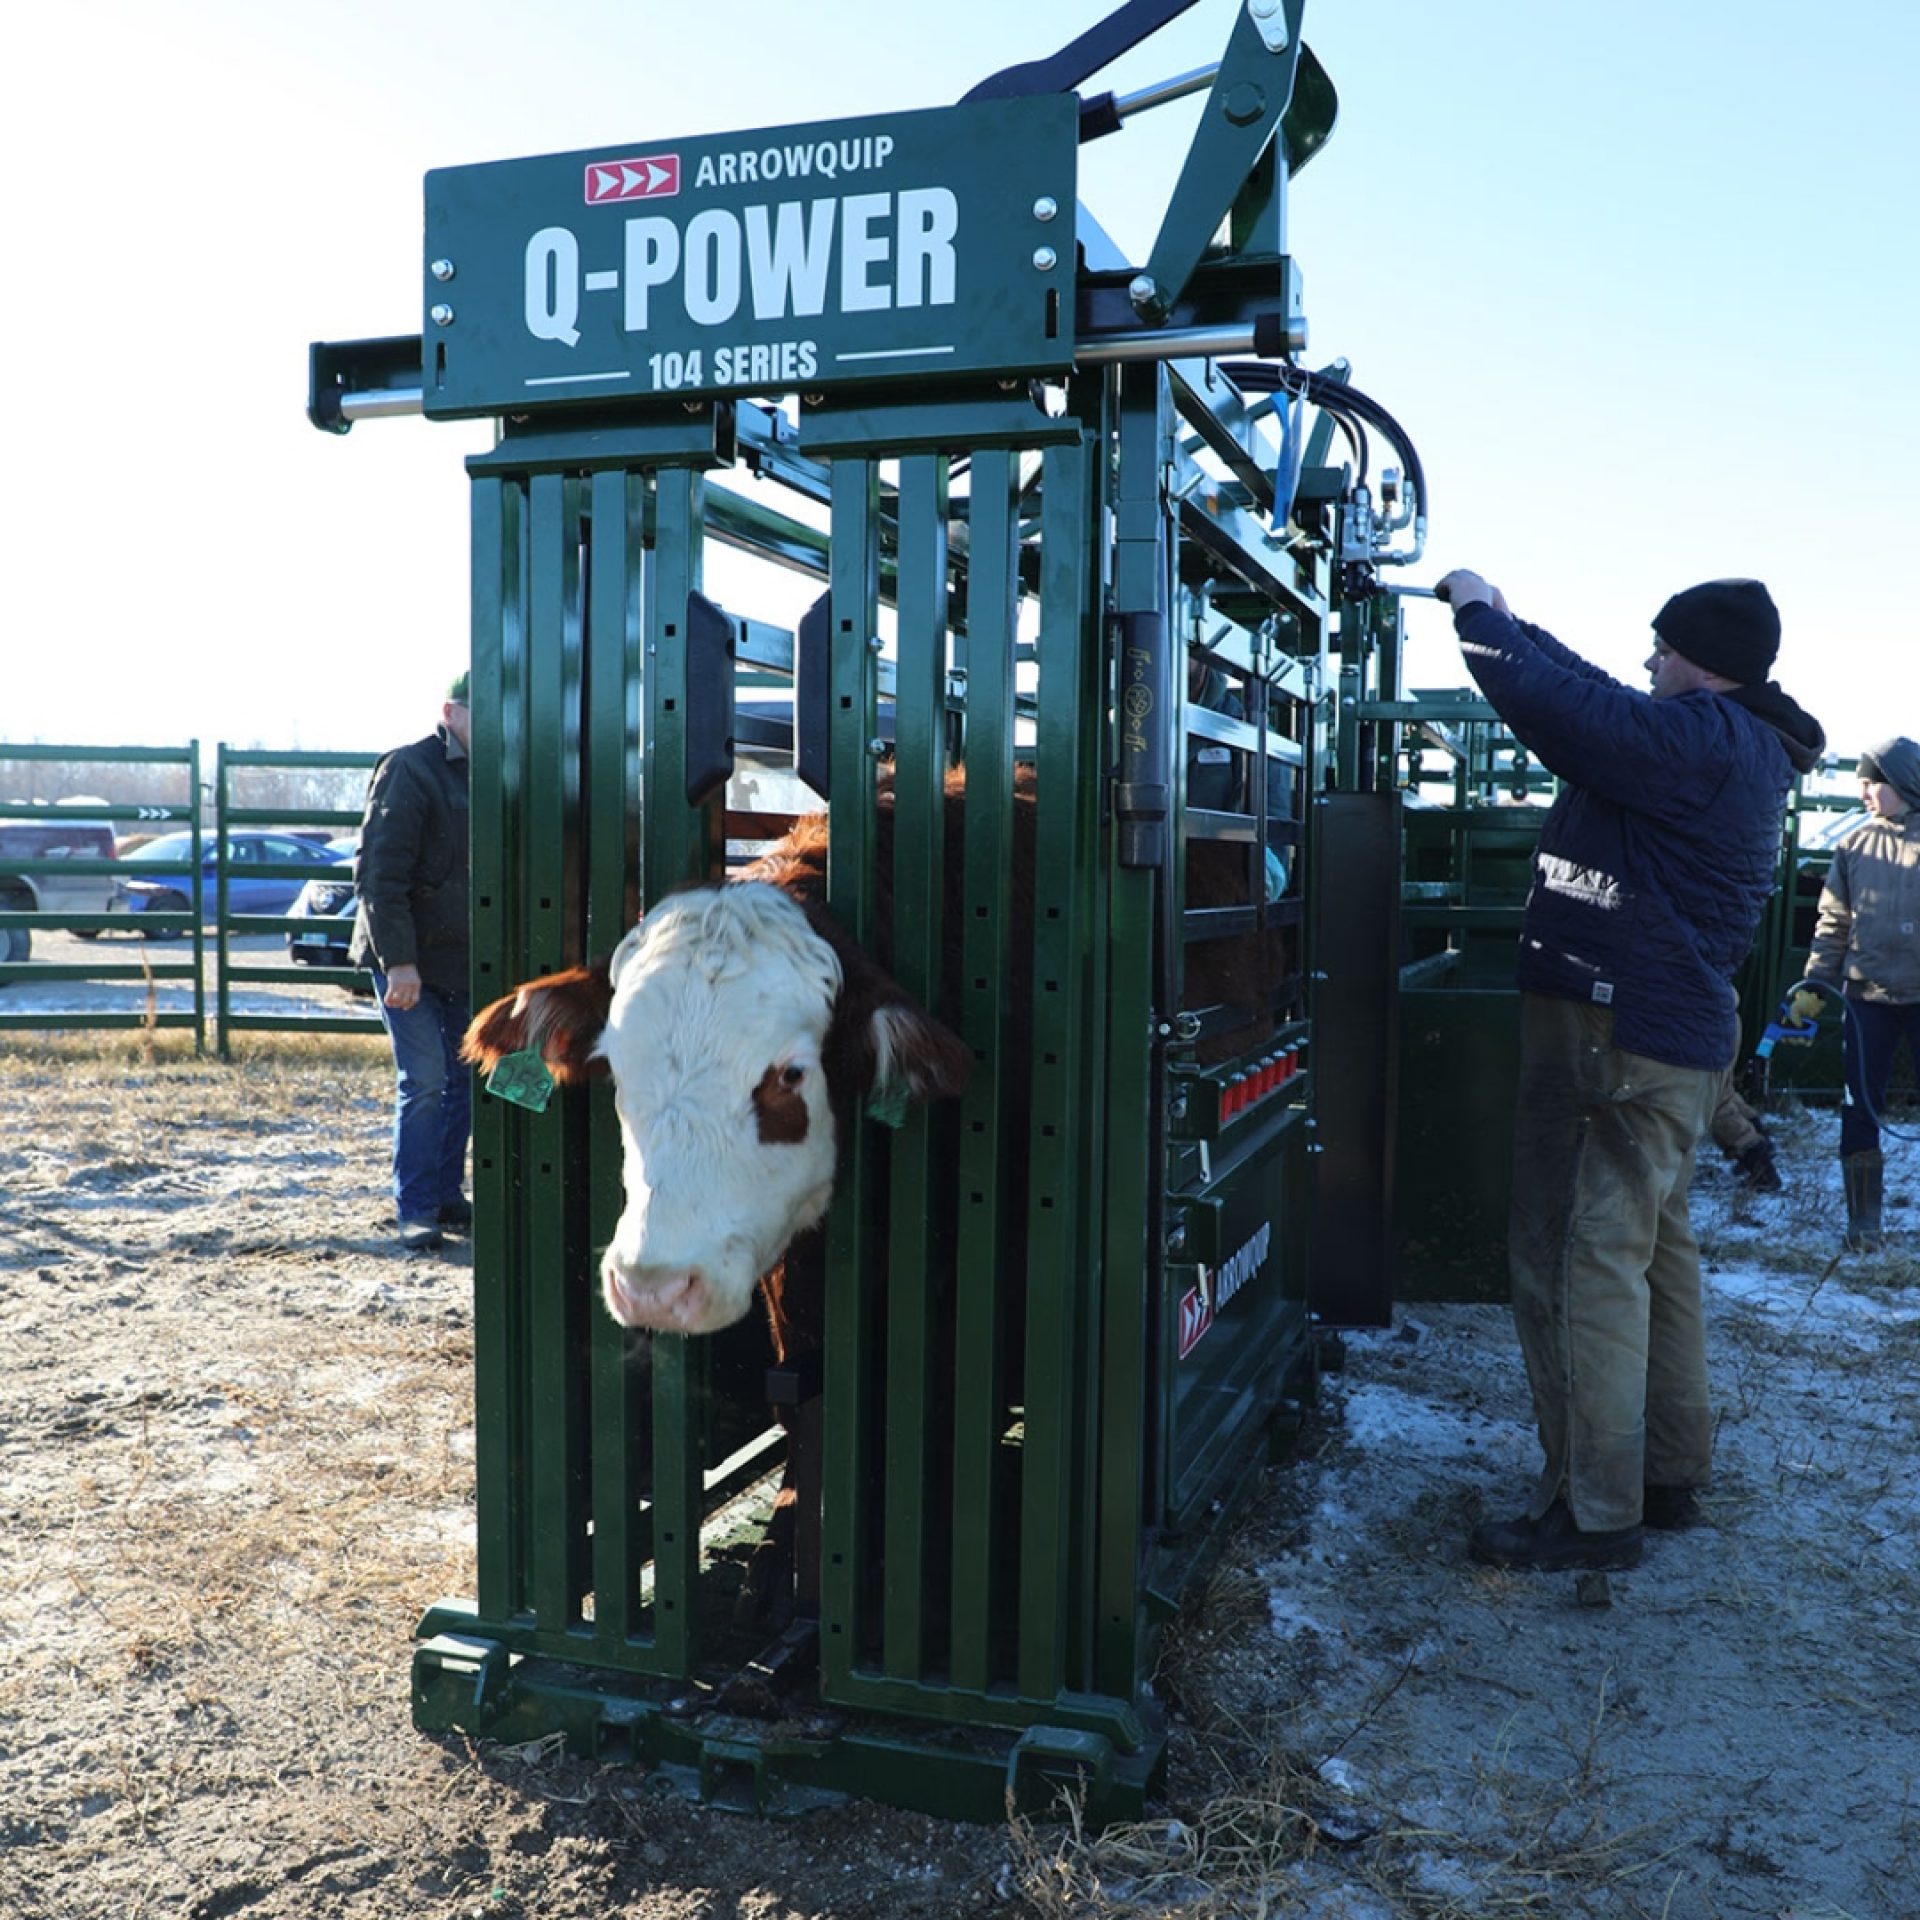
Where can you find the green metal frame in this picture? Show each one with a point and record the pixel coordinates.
(1066, 1315)
(230, 972)
(191, 971)
(1032, 1549)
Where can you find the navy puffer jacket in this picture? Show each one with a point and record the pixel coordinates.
(1657, 857)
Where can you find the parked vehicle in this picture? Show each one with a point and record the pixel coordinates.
(170, 889)
(329, 903)
(76, 839)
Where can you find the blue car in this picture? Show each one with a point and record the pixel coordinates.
(170, 888)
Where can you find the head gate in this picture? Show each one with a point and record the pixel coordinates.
(1034, 594)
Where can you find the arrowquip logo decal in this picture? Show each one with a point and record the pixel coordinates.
(1218, 1285)
(654, 176)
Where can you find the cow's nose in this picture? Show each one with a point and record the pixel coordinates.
(665, 1299)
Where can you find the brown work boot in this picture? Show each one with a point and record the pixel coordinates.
(1864, 1175)
(1669, 1509)
(1553, 1542)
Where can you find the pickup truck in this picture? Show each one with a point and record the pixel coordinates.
(43, 892)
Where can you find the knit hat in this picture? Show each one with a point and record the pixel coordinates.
(1730, 627)
(457, 687)
(1897, 762)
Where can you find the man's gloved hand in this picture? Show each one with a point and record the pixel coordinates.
(1804, 1007)
(1464, 588)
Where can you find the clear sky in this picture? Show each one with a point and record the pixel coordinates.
(1639, 280)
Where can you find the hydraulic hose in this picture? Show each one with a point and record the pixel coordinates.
(1336, 397)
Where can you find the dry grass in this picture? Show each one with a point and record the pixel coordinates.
(236, 1463)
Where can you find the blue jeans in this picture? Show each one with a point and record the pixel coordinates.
(432, 1114)
(1874, 1030)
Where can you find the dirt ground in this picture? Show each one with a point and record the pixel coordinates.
(235, 1464)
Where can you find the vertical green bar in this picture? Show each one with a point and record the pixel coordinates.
(985, 999)
(610, 791)
(854, 590)
(193, 833)
(1059, 1235)
(1134, 912)
(559, 1479)
(221, 802)
(919, 865)
(679, 843)
(497, 795)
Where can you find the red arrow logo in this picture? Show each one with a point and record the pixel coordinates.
(654, 176)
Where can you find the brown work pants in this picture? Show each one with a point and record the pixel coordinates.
(1605, 1268)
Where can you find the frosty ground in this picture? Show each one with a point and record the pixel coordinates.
(236, 1461)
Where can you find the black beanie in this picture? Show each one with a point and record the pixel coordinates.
(1730, 627)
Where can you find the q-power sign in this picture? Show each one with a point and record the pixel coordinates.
(905, 246)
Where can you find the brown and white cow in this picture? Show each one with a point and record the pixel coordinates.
(743, 1030)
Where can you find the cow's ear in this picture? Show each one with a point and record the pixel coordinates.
(560, 1017)
(914, 1056)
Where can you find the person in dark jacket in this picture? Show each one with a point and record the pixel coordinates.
(411, 930)
(1653, 865)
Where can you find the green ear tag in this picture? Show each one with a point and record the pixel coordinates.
(888, 1105)
(523, 1079)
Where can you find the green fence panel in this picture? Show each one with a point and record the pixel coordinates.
(236, 970)
(20, 876)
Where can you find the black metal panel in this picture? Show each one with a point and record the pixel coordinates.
(1460, 1046)
(813, 695)
(1356, 1055)
(710, 724)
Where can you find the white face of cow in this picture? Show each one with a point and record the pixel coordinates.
(721, 1001)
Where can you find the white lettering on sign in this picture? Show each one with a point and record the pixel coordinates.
(810, 159)
(1218, 1285)
(861, 250)
(1241, 1266)
(553, 285)
(889, 249)
(929, 220)
(766, 364)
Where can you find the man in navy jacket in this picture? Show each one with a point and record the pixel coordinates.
(1653, 865)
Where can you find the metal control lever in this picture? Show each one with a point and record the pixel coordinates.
(1102, 43)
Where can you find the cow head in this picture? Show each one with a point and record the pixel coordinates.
(741, 1032)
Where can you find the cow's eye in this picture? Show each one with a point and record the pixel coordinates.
(791, 1076)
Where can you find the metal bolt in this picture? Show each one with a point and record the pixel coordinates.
(877, 748)
(1045, 259)
(1141, 290)
(441, 316)
(442, 269)
(1045, 207)
(1271, 23)
(874, 643)
(1245, 104)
